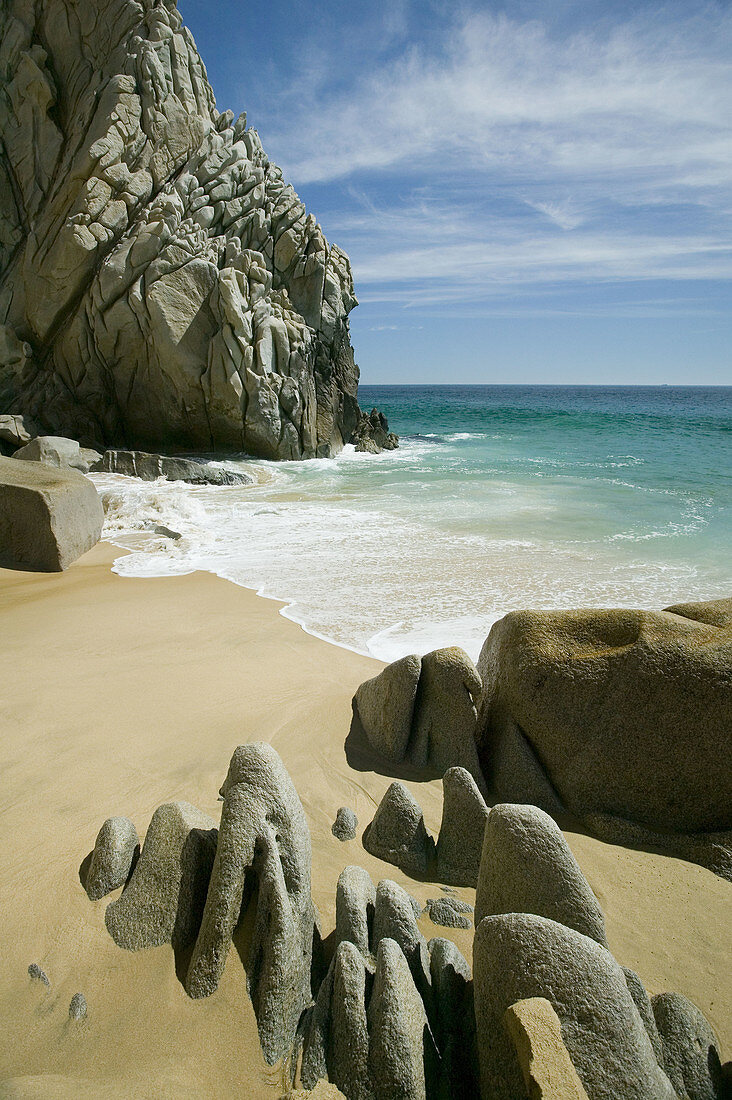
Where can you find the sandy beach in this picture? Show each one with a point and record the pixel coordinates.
(120, 694)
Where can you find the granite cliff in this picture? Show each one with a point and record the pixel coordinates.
(161, 286)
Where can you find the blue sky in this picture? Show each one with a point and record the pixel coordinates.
(529, 192)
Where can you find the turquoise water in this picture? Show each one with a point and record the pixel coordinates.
(499, 497)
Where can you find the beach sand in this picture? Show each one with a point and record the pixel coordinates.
(119, 694)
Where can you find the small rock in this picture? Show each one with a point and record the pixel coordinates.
(449, 912)
(398, 833)
(37, 974)
(161, 529)
(345, 825)
(116, 847)
(77, 1008)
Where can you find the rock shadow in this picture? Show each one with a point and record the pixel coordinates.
(363, 758)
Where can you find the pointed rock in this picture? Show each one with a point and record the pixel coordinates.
(398, 833)
(398, 1028)
(545, 1063)
(395, 919)
(454, 1020)
(527, 867)
(690, 1048)
(385, 705)
(355, 903)
(445, 713)
(460, 842)
(116, 846)
(643, 1003)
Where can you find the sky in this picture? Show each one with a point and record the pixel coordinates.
(530, 192)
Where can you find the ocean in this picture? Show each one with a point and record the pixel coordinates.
(499, 497)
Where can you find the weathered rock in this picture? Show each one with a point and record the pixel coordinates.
(115, 849)
(38, 974)
(445, 714)
(345, 825)
(149, 467)
(527, 867)
(395, 919)
(460, 841)
(398, 833)
(77, 1007)
(645, 1009)
(263, 846)
(385, 706)
(348, 1059)
(546, 1067)
(54, 450)
(454, 1021)
(48, 518)
(164, 899)
(691, 1054)
(161, 286)
(372, 433)
(607, 703)
(355, 902)
(519, 955)
(449, 912)
(400, 1036)
(16, 431)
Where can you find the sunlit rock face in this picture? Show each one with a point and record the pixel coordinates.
(161, 286)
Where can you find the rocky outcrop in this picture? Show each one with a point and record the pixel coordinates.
(48, 517)
(372, 433)
(595, 711)
(690, 1048)
(263, 856)
(116, 848)
(422, 711)
(161, 286)
(149, 467)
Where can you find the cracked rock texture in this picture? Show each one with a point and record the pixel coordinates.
(161, 286)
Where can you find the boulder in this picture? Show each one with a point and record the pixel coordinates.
(16, 431)
(164, 899)
(395, 919)
(454, 1021)
(348, 1040)
(460, 841)
(48, 518)
(449, 912)
(372, 433)
(546, 1067)
(398, 833)
(345, 825)
(163, 286)
(54, 450)
(385, 705)
(606, 703)
(445, 714)
(400, 1038)
(263, 854)
(149, 467)
(691, 1055)
(520, 955)
(527, 867)
(116, 847)
(355, 903)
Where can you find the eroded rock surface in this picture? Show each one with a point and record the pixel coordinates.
(161, 286)
(398, 832)
(115, 848)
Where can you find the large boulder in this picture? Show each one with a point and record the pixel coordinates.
(598, 711)
(527, 867)
(149, 467)
(518, 956)
(55, 450)
(48, 517)
(263, 855)
(163, 287)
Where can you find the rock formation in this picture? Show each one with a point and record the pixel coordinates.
(464, 816)
(398, 833)
(48, 517)
(449, 912)
(161, 286)
(116, 847)
(263, 857)
(690, 1048)
(54, 450)
(546, 1067)
(150, 467)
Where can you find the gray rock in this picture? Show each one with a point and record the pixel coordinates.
(164, 899)
(395, 919)
(449, 912)
(398, 1027)
(264, 840)
(372, 434)
(16, 431)
(645, 1009)
(385, 706)
(166, 532)
(398, 833)
(452, 991)
(115, 849)
(175, 293)
(602, 700)
(355, 902)
(149, 467)
(518, 956)
(77, 1007)
(691, 1055)
(345, 825)
(348, 1054)
(55, 450)
(460, 841)
(48, 518)
(445, 713)
(37, 974)
(527, 867)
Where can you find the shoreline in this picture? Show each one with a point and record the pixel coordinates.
(119, 697)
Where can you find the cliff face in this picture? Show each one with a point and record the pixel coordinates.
(161, 286)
